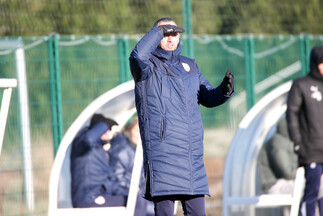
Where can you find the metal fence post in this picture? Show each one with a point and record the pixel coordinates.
(25, 127)
(55, 91)
(187, 24)
(304, 53)
(123, 47)
(250, 71)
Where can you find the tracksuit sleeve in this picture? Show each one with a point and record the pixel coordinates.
(210, 96)
(139, 59)
(294, 103)
(89, 139)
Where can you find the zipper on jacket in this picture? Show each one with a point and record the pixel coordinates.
(162, 129)
(190, 141)
(148, 177)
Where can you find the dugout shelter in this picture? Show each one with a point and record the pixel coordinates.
(240, 180)
(118, 104)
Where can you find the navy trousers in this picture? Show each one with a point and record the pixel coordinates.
(193, 205)
(313, 174)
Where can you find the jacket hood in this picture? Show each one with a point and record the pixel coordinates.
(316, 58)
(172, 56)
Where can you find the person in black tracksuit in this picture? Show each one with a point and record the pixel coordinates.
(305, 125)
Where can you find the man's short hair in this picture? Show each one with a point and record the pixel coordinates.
(96, 118)
(164, 19)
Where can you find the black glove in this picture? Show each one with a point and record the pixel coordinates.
(100, 118)
(168, 29)
(227, 84)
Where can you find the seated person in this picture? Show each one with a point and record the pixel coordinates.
(92, 177)
(122, 155)
(278, 163)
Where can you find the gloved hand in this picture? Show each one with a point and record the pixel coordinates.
(168, 29)
(227, 84)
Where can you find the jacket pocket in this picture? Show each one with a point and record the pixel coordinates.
(162, 128)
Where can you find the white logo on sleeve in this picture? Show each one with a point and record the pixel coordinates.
(186, 67)
(316, 94)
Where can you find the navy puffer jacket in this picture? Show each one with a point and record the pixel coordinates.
(122, 156)
(90, 170)
(169, 89)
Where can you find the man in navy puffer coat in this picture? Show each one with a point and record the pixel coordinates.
(169, 89)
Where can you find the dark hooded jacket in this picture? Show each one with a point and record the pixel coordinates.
(305, 111)
(169, 89)
(122, 157)
(90, 170)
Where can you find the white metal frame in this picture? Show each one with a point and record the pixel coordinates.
(239, 178)
(17, 47)
(7, 84)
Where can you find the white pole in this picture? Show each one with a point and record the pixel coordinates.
(25, 127)
(135, 179)
(8, 84)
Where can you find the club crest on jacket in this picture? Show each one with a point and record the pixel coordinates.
(316, 94)
(186, 67)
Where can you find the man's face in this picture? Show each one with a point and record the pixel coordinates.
(170, 41)
(134, 134)
(320, 66)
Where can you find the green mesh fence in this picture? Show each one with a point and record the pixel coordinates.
(65, 73)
